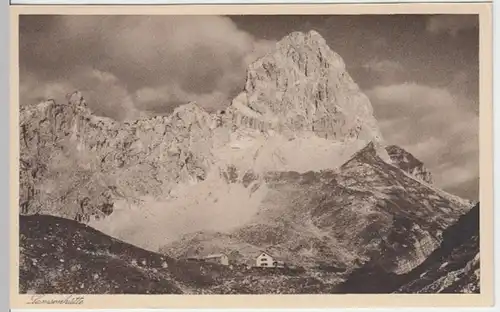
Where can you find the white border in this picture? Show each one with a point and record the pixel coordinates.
(160, 2)
(496, 152)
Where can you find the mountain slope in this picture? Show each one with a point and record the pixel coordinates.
(342, 218)
(62, 256)
(453, 267)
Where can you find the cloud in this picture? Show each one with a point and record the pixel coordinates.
(431, 124)
(381, 71)
(32, 90)
(164, 99)
(384, 66)
(191, 56)
(451, 24)
(104, 93)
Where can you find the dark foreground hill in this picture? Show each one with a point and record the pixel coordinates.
(58, 255)
(62, 256)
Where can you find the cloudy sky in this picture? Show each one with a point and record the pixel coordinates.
(420, 72)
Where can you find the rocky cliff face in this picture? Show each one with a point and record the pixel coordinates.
(75, 164)
(304, 85)
(296, 165)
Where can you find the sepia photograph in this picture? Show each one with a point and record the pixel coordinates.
(249, 154)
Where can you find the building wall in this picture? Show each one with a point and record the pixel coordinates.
(224, 260)
(264, 260)
(280, 264)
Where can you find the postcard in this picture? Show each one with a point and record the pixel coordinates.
(251, 156)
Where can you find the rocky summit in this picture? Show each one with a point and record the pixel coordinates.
(304, 85)
(408, 163)
(295, 165)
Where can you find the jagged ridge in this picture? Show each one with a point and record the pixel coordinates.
(298, 101)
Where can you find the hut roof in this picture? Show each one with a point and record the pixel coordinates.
(219, 255)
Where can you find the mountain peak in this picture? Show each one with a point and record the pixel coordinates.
(189, 108)
(364, 155)
(300, 48)
(369, 149)
(304, 86)
(408, 163)
(192, 113)
(311, 37)
(76, 99)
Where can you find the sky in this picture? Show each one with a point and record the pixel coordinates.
(421, 72)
